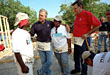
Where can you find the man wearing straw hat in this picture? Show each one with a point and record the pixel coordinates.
(22, 45)
(100, 62)
(61, 42)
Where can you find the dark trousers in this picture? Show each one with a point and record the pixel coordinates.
(78, 50)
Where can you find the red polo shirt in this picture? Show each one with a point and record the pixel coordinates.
(83, 23)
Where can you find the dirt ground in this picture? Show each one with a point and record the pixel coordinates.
(8, 67)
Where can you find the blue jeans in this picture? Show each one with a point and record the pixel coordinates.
(47, 60)
(109, 42)
(4, 39)
(78, 50)
(100, 42)
(63, 62)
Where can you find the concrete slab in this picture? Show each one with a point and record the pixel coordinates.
(10, 68)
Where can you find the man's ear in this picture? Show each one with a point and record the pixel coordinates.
(81, 6)
(46, 16)
(90, 62)
(89, 59)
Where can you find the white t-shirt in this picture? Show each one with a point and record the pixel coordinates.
(22, 43)
(59, 39)
(101, 64)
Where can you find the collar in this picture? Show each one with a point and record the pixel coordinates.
(81, 12)
(43, 23)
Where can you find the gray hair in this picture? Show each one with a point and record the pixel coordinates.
(43, 10)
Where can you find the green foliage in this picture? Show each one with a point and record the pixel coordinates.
(68, 15)
(94, 6)
(50, 19)
(10, 8)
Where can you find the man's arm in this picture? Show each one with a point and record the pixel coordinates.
(69, 45)
(84, 36)
(24, 68)
(92, 20)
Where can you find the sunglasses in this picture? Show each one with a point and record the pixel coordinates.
(56, 30)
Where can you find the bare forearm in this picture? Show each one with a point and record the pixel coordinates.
(93, 30)
(69, 43)
(19, 59)
(84, 36)
(69, 46)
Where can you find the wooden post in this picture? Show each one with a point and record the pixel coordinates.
(2, 33)
(5, 31)
(9, 36)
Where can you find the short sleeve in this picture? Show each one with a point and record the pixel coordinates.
(68, 35)
(65, 33)
(15, 46)
(92, 19)
(18, 43)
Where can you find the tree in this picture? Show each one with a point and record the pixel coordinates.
(94, 6)
(68, 15)
(10, 8)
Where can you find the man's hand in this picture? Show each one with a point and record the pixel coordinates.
(25, 69)
(69, 51)
(84, 36)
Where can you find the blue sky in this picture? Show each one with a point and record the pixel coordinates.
(52, 6)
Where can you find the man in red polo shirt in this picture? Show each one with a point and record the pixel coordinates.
(85, 24)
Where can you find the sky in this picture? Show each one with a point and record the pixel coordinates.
(52, 6)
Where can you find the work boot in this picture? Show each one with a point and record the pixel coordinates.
(37, 72)
(105, 50)
(98, 52)
(75, 71)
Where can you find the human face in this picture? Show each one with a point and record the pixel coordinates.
(102, 19)
(89, 62)
(56, 23)
(77, 9)
(28, 23)
(108, 19)
(42, 16)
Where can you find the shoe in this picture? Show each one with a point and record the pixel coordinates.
(98, 51)
(83, 74)
(105, 50)
(75, 71)
(37, 72)
(61, 74)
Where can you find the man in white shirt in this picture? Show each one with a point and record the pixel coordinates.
(22, 45)
(100, 62)
(60, 44)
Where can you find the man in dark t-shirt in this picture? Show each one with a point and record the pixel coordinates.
(43, 28)
(102, 34)
(108, 26)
